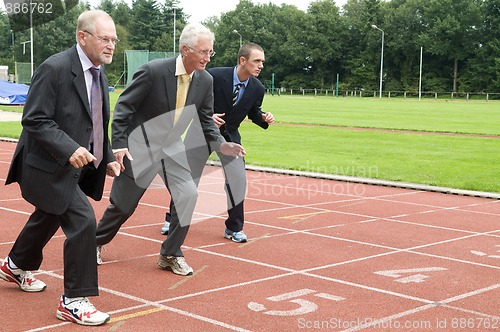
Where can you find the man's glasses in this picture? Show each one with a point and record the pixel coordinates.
(204, 53)
(104, 40)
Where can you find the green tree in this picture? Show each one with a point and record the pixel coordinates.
(146, 23)
(482, 72)
(451, 30)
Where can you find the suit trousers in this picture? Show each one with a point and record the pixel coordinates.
(235, 182)
(126, 194)
(78, 223)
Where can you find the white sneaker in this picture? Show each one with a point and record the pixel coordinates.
(25, 279)
(99, 258)
(178, 265)
(81, 311)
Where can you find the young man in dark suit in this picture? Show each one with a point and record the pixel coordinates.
(237, 94)
(63, 155)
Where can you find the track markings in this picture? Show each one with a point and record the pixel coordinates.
(135, 315)
(254, 240)
(180, 282)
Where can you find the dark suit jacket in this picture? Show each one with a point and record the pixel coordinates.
(153, 92)
(249, 104)
(56, 122)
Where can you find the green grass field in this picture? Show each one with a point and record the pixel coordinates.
(451, 144)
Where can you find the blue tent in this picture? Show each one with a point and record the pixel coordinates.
(12, 93)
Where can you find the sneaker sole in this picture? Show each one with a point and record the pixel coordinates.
(68, 318)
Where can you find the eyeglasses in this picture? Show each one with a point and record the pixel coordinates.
(104, 40)
(204, 53)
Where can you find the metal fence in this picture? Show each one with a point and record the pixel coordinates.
(487, 96)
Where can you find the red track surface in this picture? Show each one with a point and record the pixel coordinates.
(322, 255)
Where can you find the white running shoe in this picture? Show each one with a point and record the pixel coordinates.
(25, 279)
(178, 265)
(79, 310)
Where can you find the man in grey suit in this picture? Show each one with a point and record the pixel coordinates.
(63, 155)
(155, 97)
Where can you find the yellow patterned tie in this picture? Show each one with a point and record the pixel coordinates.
(182, 91)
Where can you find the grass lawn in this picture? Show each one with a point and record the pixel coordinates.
(376, 138)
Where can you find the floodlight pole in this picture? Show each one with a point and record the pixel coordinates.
(381, 58)
(31, 36)
(236, 31)
(174, 6)
(13, 53)
(420, 75)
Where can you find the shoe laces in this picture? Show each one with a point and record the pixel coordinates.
(83, 304)
(181, 262)
(27, 275)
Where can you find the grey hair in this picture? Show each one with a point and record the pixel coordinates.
(86, 20)
(192, 32)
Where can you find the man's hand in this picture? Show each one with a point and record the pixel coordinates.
(268, 117)
(119, 155)
(232, 149)
(81, 157)
(113, 168)
(218, 119)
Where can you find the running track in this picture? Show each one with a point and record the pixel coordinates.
(324, 255)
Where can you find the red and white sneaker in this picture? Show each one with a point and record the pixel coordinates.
(79, 310)
(25, 279)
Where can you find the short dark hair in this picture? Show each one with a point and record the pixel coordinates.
(247, 48)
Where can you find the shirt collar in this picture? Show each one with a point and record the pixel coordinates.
(236, 80)
(84, 60)
(179, 68)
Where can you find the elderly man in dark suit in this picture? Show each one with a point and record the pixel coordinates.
(237, 94)
(63, 155)
(155, 97)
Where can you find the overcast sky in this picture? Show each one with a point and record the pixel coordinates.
(199, 10)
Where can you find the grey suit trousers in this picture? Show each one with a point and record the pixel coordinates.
(126, 194)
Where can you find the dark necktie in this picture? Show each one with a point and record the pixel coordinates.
(96, 109)
(236, 92)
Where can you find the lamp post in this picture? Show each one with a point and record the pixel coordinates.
(174, 7)
(381, 58)
(12, 35)
(236, 31)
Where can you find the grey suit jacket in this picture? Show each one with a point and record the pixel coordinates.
(56, 122)
(152, 93)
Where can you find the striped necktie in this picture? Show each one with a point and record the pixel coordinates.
(96, 109)
(236, 92)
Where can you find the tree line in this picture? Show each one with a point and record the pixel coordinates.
(458, 40)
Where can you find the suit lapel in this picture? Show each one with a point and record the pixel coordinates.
(104, 88)
(171, 84)
(193, 86)
(79, 78)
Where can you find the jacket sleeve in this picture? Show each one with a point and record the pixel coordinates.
(127, 105)
(255, 113)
